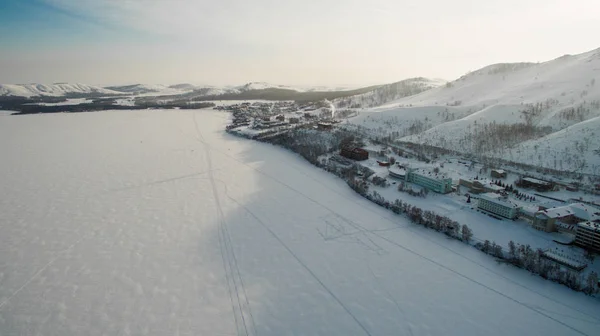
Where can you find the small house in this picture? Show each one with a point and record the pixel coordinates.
(498, 173)
(354, 153)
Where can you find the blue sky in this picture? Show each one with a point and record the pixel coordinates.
(296, 42)
(35, 24)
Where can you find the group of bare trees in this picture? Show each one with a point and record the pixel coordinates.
(423, 192)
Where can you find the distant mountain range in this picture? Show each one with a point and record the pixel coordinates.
(64, 89)
(52, 90)
(546, 114)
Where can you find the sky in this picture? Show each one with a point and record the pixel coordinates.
(292, 42)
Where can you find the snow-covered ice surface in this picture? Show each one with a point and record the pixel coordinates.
(157, 222)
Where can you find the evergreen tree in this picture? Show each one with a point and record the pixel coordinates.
(512, 250)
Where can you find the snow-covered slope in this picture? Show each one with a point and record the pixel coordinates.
(497, 107)
(389, 92)
(575, 148)
(262, 86)
(57, 89)
(183, 87)
(156, 222)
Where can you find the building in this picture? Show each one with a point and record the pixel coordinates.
(565, 260)
(588, 235)
(546, 219)
(533, 183)
(572, 187)
(397, 172)
(498, 173)
(436, 182)
(354, 153)
(562, 218)
(480, 186)
(497, 205)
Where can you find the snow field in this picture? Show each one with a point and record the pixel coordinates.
(157, 222)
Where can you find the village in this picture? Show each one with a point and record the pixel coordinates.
(501, 205)
(264, 119)
(497, 205)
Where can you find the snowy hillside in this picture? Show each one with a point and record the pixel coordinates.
(389, 92)
(575, 148)
(262, 86)
(156, 222)
(57, 89)
(488, 111)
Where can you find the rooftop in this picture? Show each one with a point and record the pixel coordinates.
(498, 199)
(397, 171)
(578, 210)
(590, 226)
(558, 212)
(431, 174)
(565, 259)
(584, 211)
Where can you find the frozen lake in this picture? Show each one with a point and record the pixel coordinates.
(159, 223)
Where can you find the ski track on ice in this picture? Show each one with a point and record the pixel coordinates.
(225, 240)
(457, 273)
(295, 256)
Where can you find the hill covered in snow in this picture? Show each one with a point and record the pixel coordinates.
(158, 89)
(508, 110)
(53, 90)
(389, 92)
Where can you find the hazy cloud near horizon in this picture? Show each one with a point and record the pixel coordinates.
(328, 42)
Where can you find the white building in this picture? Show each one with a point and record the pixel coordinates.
(497, 205)
(438, 182)
(588, 235)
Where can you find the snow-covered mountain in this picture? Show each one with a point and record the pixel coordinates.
(183, 87)
(158, 89)
(506, 110)
(55, 90)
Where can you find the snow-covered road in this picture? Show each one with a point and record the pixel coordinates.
(159, 223)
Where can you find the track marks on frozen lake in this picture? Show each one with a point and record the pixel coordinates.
(233, 276)
(342, 229)
(300, 262)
